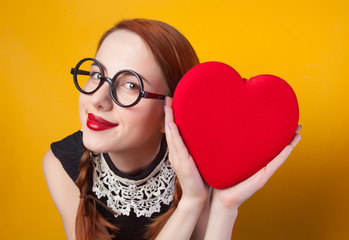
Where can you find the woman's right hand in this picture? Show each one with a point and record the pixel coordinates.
(185, 217)
(192, 184)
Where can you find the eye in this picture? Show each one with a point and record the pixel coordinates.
(95, 75)
(132, 86)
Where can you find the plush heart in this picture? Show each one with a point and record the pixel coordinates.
(231, 126)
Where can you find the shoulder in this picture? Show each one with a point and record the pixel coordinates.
(56, 177)
(58, 181)
(64, 192)
(61, 169)
(69, 151)
(49, 162)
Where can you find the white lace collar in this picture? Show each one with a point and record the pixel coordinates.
(143, 196)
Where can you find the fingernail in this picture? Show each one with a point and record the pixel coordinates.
(299, 138)
(168, 125)
(299, 127)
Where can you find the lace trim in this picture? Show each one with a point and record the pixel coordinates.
(143, 196)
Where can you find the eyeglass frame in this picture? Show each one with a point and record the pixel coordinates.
(142, 93)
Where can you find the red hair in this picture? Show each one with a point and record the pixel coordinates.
(175, 56)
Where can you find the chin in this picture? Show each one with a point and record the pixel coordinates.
(93, 143)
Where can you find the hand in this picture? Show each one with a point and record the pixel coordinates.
(234, 196)
(194, 190)
(193, 187)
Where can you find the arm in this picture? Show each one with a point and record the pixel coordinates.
(194, 191)
(64, 192)
(225, 203)
(201, 224)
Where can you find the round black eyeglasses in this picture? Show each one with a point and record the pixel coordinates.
(126, 87)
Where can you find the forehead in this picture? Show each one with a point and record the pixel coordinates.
(124, 49)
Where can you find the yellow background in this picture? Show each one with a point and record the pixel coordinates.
(304, 42)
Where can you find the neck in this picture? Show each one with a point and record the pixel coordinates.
(135, 160)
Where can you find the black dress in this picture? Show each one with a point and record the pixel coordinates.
(136, 199)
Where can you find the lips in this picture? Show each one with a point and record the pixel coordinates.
(98, 123)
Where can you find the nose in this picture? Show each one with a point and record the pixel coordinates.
(101, 99)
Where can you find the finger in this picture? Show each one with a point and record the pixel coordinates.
(299, 127)
(273, 165)
(175, 141)
(168, 132)
(297, 137)
(259, 179)
(168, 118)
(251, 185)
(263, 175)
(168, 101)
(283, 155)
(179, 156)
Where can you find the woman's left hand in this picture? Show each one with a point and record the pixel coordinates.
(234, 196)
(225, 202)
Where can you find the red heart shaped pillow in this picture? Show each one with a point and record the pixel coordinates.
(231, 126)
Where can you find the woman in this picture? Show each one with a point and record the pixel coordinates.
(131, 182)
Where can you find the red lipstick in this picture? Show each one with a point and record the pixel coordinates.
(98, 123)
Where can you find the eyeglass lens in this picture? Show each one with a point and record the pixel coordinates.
(126, 87)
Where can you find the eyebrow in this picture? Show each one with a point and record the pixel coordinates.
(144, 79)
(105, 71)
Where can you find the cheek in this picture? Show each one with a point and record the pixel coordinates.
(83, 99)
(151, 116)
